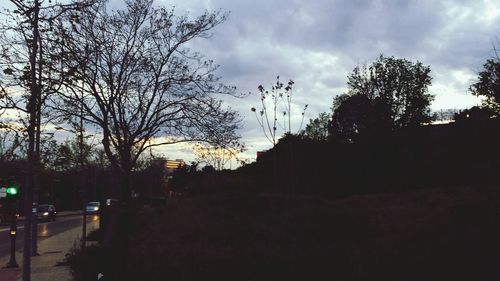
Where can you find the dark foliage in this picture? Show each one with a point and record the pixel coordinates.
(243, 238)
(388, 95)
(488, 85)
(411, 158)
(359, 117)
(63, 188)
(317, 128)
(87, 265)
(443, 234)
(473, 115)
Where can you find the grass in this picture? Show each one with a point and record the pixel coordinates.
(428, 234)
(86, 265)
(94, 235)
(447, 234)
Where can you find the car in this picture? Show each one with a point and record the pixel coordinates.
(46, 212)
(92, 207)
(112, 202)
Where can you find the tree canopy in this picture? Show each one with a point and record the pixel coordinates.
(488, 85)
(134, 77)
(357, 116)
(218, 155)
(473, 114)
(317, 129)
(389, 94)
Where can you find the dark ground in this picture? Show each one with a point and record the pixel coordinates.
(438, 234)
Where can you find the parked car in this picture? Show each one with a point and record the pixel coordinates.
(46, 212)
(93, 207)
(112, 202)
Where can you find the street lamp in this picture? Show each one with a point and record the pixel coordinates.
(13, 232)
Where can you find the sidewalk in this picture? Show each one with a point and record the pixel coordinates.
(52, 250)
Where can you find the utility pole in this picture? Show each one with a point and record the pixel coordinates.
(31, 107)
(83, 185)
(36, 187)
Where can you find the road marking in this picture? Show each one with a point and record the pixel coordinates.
(8, 228)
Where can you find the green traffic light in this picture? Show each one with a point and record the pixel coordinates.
(11, 190)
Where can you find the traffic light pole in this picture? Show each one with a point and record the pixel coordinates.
(10, 194)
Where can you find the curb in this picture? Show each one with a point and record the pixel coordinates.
(61, 214)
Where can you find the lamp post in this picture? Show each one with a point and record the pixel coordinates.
(13, 232)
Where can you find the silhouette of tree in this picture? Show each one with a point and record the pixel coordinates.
(488, 85)
(27, 56)
(317, 129)
(278, 101)
(275, 103)
(350, 118)
(358, 116)
(473, 114)
(208, 169)
(218, 155)
(444, 114)
(389, 94)
(68, 155)
(136, 79)
(12, 142)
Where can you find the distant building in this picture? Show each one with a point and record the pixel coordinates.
(172, 165)
(166, 168)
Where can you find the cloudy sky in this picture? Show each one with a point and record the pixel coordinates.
(318, 42)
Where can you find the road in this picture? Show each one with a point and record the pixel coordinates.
(45, 230)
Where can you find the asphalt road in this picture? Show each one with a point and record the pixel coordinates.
(45, 230)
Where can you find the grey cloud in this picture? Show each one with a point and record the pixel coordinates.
(317, 43)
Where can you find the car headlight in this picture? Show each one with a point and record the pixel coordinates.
(96, 208)
(46, 213)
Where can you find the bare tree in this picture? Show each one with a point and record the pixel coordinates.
(12, 142)
(136, 79)
(276, 103)
(218, 155)
(24, 60)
